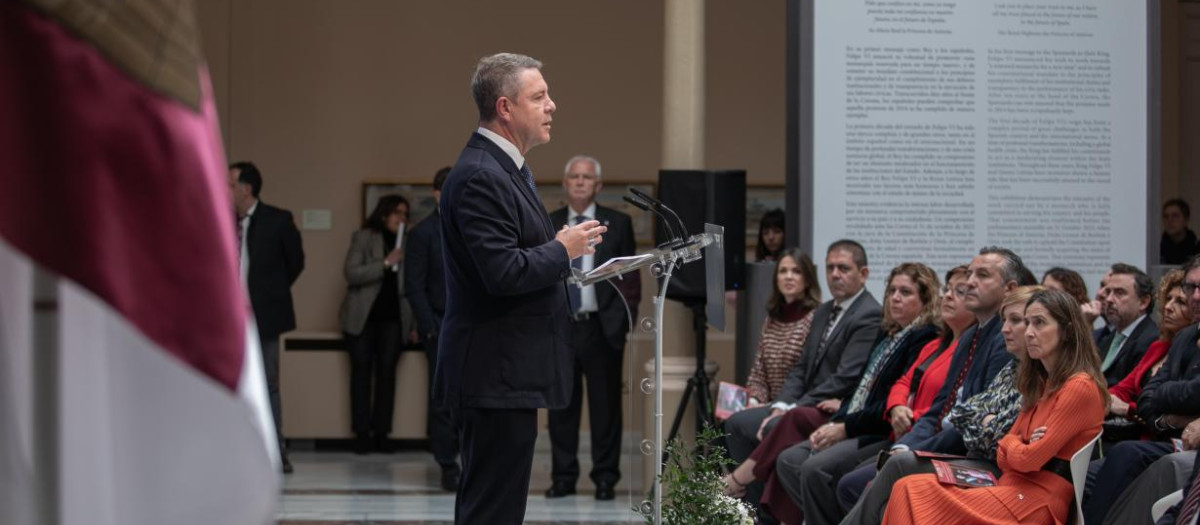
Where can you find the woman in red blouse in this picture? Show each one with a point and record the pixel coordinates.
(903, 404)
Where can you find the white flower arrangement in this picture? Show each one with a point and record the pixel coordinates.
(693, 493)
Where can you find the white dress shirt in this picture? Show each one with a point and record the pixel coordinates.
(587, 294)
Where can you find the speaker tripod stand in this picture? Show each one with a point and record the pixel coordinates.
(698, 385)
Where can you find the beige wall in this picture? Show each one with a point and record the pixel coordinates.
(323, 95)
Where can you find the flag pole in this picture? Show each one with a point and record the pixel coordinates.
(47, 406)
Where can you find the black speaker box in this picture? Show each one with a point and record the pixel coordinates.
(705, 196)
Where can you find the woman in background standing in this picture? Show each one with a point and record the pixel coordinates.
(770, 236)
(371, 316)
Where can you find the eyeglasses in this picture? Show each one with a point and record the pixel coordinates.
(1190, 288)
(959, 292)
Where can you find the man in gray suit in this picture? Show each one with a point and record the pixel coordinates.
(834, 355)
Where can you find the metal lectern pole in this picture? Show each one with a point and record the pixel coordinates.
(659, 301)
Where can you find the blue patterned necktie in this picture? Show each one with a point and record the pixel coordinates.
(529, 178)
(574, 293)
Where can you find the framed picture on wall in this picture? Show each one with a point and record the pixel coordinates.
(761, 198)
(419, 196)
(555, 197)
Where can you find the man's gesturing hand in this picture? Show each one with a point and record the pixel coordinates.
(582, 238)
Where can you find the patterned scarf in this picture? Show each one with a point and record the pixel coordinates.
(880, 355)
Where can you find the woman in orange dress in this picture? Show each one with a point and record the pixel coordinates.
(1064, 398)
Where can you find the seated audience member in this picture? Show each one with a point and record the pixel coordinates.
(770, 236)
(789, 318)
(371, 318)
(808, 472)
(1067, 280)
(1127, 304)
(908, 324)
(830, 363)
(1093, 312)
(1184, 512)
(1167, 404)
(974, 425)
(1063, 398)
(1166, 475)
(1175, 315)
(1178, 242)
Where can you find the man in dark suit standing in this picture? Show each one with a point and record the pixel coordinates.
(833, 358)
(271, 259)
(1128, 300)
(425, 288)
(599, 323)
(505, 341)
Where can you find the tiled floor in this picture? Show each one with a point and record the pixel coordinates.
(390, 489)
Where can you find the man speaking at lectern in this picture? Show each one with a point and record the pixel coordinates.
(504, 347)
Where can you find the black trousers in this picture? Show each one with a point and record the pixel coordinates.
(497, 458)
(601, 364)
(269, 346)
(374, 354)
(439, 425)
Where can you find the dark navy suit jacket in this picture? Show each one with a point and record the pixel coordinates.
(504, 341)
(871, 420)
(424, 274)
(990, 356)
(1131, 352)
(276, 260)
(1175, 389)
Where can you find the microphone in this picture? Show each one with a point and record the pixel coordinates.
(658, 205)
(641, 204)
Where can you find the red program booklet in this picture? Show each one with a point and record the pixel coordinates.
(963, 476)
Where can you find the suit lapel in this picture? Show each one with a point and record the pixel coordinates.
(842, 323)
(514, 174)
(820, 321)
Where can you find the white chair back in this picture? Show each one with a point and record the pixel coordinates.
(1163, 505)
(1079, 469)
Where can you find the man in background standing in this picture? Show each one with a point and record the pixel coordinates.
(599, 322)
(425, 287)
(271, 259)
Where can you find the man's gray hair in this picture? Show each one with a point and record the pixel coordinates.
(497, 76)
(1013, 267)
(578, 158)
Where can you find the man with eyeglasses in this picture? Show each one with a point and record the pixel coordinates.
(599, 323)
(1182, 512)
